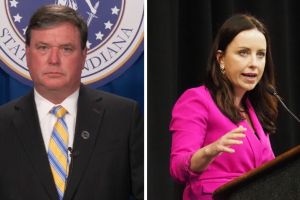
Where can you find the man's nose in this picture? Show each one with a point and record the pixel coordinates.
(54, 56)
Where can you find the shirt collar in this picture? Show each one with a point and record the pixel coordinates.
(44, 106)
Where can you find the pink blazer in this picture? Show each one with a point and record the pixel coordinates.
(197, 122)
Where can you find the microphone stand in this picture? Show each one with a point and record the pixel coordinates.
(272, 91)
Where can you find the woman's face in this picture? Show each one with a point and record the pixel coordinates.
(244, 60)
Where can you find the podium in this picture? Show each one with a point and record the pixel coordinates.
(278, 179)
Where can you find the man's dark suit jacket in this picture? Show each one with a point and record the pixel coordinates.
(107, 158)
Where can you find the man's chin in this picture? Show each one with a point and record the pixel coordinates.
(54, 86)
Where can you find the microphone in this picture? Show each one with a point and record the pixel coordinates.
(273, 92)
(73, 153)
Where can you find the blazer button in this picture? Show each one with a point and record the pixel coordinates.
(85, 135)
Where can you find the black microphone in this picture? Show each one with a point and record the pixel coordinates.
(273, 92)
(73, 153)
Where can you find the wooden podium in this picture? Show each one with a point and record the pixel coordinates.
(276, 179)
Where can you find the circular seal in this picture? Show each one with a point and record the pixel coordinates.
(115, 38)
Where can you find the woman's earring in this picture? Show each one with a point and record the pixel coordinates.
(222, 68)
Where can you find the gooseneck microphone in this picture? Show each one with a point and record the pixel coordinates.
(273, 92)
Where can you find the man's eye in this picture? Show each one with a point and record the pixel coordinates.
(67, 50)
(43, 47)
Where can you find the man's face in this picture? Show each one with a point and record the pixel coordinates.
(55, 58)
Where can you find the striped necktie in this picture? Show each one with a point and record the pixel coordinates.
(58, 150)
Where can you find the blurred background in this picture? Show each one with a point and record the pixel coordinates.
(179, 39)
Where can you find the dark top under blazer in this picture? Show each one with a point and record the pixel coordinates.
(107, 163)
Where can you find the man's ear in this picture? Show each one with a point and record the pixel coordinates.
(84, 54)
(27, 52)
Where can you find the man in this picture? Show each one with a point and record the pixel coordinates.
(64, 140)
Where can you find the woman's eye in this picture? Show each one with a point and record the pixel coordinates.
(261, 54)
(243, 53)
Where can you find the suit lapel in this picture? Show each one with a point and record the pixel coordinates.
(28, 130)
(89, 117)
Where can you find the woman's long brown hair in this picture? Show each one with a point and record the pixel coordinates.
(265, 105)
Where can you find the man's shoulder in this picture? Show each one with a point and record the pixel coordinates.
(16, 104)
(7, 109)
(106, 96)
(112, 103)
(9, 105)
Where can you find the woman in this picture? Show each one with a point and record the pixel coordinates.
(221, 130)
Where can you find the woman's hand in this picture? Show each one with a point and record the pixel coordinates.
(201, 158)
(223, 144)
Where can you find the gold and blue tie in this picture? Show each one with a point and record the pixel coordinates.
(58, 151)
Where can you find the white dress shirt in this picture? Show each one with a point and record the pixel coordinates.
(47, 120)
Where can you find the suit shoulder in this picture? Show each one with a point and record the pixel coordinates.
(201, 91)
(6, 110)
(9, 105)
(197, 95)
(110, 98)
